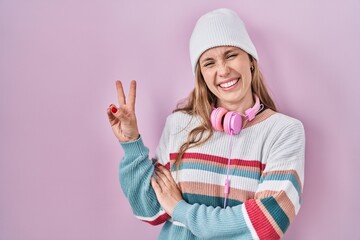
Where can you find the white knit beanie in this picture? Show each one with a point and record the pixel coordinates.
(221, 27)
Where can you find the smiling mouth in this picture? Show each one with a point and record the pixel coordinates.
(229, 84)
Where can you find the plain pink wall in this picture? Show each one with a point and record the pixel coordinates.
(58, 64)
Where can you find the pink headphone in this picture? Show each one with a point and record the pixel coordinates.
(231, 122)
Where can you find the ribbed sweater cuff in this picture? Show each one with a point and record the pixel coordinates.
(179, 212)
(136, 147)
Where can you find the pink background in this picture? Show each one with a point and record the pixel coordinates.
(58, 64)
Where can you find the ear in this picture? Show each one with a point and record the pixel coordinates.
(251, 63)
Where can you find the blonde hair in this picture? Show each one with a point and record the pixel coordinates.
(201, 99)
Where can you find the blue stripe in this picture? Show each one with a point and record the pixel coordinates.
(276, 212)
(209, 200)
(219, 170)
(283, 177)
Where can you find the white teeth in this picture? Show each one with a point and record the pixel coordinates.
(229, 84)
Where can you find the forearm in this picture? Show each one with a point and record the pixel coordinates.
(254, 219)
(135, 172)
(207, 222)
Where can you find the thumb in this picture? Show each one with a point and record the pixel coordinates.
(123, 114)
(111, 110)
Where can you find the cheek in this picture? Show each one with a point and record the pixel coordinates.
(209, 83)
(246, 73)
(248, 76)
(207, 78)
(210, 86)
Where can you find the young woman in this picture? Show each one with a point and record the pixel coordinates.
(228, 165)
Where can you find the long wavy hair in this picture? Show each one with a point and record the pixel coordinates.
(200, 102)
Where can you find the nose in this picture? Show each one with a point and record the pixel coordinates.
(223, 70)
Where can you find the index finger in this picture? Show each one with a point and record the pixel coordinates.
(132, 94)
(120, 93)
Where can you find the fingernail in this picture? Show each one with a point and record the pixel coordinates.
(113, 109)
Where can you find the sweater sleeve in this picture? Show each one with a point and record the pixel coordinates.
(277, 199)
(135, 172)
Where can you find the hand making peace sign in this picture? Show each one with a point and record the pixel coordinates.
(123, 119)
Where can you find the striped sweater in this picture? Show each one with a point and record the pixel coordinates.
(266, 174)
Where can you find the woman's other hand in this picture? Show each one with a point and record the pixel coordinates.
(122, 119)
(166, 189)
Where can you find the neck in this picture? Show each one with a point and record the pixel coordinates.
(240, 107)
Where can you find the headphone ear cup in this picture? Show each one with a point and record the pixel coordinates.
(216, 118)
(232, 123)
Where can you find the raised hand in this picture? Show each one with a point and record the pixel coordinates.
(122, 119)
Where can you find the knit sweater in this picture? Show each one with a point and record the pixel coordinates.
(266, 175)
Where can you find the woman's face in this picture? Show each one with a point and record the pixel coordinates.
(227, 74)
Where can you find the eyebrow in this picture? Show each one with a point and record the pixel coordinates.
(225, 53)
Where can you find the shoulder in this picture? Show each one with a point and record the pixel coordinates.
(286, 125)
(274, 124)
(285, 120)
(269, 120)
